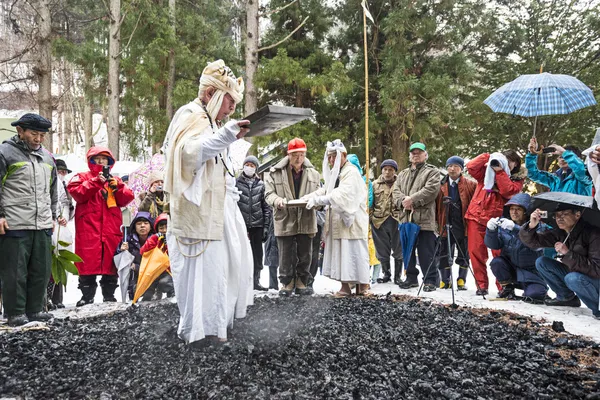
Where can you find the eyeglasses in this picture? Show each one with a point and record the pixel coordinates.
(561, 216)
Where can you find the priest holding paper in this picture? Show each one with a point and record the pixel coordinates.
(346, 257)
(211, 259)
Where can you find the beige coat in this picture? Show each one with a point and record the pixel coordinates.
(349, 197)
(383, 205)
(200, 213)
(293, 220)
(422, 185)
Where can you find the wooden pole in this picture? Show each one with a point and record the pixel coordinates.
(366, 105)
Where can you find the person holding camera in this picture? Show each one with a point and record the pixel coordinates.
(98, 221)
(153, 201)
(498, 179)
(571, 177)
(574, 274)
(514, 268)
(456, 192)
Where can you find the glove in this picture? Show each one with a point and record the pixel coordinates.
(492, 224)
(113, 184)
(317, 201)
(507, 224)
(265, 236)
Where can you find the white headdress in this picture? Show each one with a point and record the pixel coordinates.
(331, 174)
(220, 77)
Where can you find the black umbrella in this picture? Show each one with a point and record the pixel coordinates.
(555, 201)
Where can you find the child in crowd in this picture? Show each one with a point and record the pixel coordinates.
(164, 283)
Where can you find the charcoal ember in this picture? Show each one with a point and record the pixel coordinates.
(300, 348)
(558, 326)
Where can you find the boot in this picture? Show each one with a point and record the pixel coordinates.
(257, 285)
(40, 316)
(387, 273)
(17, 320)
(397, 271)
(88, 292)
(302, 289)
(108, 293)
(460, 284)
(286, 290)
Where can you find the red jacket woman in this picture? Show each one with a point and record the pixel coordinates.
(487, 204)
(98, 223)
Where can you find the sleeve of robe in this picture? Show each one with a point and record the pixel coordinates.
(351, 193)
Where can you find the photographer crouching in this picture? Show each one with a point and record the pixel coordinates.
(575, 274)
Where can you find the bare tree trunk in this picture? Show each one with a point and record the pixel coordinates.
(400, 147)
(171, 81)
(67, 108)
(251, 56)
(43, 69)
(114, 46)
(87, 124)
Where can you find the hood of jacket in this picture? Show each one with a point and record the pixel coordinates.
(162, 217)
(353, 158)
(96, 151)
(141, 215)
(519, 199)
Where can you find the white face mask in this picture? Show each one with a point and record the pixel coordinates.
(249, 171)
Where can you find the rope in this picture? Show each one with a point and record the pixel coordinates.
(191, 244)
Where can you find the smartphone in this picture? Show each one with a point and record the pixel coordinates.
(543, 214)
(548, 149)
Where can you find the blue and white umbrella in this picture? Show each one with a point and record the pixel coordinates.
(541, 94)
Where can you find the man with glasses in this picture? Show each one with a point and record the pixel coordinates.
(575, 273)
(295, 227)
(28, 204)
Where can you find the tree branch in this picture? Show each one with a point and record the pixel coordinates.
(132, 33)
(266, 14)
(285, 38)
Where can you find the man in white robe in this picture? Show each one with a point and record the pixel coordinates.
(211, 259)
(346, 257)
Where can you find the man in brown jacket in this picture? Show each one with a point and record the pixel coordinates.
(292, 178)
(414, 194)
(384, 217)
(457, 191)
(576, 277)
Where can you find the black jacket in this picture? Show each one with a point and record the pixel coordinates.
(583, 244)
(255, 210)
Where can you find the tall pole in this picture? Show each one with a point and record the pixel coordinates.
(366, 104)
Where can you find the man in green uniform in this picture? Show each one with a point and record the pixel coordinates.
(28, 203)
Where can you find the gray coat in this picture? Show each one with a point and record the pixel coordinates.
(28, 195)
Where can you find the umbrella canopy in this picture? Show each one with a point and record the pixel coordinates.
(154, 263)
(550, 201)
(541, 94)
(408, 237)
(124, 167)
(138, 179)
(123, 262)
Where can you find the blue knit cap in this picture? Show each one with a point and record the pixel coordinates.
(389, 163)
(456, 160)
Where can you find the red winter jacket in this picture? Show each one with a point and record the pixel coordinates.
(97, 227)
(486, 205)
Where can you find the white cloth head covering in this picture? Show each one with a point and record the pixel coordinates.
(331, 174)
(490, 175)
(220, 77)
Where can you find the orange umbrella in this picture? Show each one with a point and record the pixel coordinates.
(154, 263)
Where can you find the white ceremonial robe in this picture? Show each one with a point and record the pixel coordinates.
(213, 278)
(346, 256)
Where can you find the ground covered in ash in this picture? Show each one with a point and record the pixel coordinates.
(304, 348)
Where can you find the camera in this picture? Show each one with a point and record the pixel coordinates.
(106, 172)
(543, 214)
(495, 163)
(548, 150)
(159, 188)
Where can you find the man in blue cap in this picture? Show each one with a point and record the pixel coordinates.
(28, 204)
